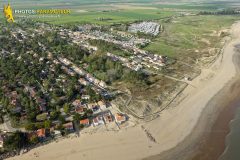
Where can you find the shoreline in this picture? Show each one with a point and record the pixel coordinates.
(170, 130)
(231, 150)
(200, 145)
(214, 144)
(212, 127)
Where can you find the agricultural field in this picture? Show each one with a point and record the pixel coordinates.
(110, 17)
(111, 12)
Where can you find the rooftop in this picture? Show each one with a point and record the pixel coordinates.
(41, 132)
(84, 121)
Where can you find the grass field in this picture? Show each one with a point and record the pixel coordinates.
(113, 11)
(96, 14)
(110, 17)
(184, 35)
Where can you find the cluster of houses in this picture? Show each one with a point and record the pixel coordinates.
(40, 101)
(150, 61)
(133, 40)
(104, 118)
(43, 133)
(19, 34)
(140, 58)
(74, 36)
(15, 102)
(138, 62)
(15, 105)
(100, 111)
(88, 78)
(101, 116)
(151, 28)
(126, 62)
(81, 37)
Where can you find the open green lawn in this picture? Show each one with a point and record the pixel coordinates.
(185, 34)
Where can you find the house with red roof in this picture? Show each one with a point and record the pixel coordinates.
(41, 133)
(108, 117)
(68, 126)
(120, 118)
(85, 122)
(80, 109)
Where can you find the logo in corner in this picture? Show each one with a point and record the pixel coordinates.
(7, 10)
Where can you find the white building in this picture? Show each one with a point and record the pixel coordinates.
(98, 120)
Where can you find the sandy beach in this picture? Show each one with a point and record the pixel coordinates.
(207, 139)
(186, 121)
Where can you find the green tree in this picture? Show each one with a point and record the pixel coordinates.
(76, 117)
(66, 108)
(39, 125)
(33, 139)
(16, 140)
(61, 119)
(47, 124)
(30, 126)
(42, 117)
(53, 115)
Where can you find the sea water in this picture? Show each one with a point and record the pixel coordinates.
(232, 150)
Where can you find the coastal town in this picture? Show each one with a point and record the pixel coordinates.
(65, 97)
(117, 80)
(64, 81)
